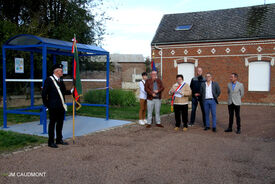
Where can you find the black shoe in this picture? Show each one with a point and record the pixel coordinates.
(206, 128)
(52, 145)
(214, 129)
(238, 132)
(228, 130)
(62, 142)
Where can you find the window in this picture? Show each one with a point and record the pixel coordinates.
(187, 70)
(259, 76)
(183, 27)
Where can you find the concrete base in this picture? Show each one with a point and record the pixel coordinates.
(83, 125)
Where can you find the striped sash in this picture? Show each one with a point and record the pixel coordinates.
(173, 96)
(59, 92)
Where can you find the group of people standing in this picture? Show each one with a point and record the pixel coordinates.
(204, 91)
(150, 99)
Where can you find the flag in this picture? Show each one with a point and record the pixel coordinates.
(153, 67)
(76, 76)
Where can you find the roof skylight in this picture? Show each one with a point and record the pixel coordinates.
(184, 27)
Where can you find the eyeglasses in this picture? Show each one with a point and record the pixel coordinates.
(208, 75)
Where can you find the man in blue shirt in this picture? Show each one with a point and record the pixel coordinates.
(210, 91)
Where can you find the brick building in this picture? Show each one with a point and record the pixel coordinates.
(126, 72)
(130, 65)
(240, 40)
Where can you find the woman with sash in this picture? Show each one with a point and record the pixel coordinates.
(180, 92)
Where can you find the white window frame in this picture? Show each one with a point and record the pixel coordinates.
(259, 81)
(184, 75)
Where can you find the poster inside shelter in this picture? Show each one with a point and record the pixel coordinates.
(65, 67)
(19, 65)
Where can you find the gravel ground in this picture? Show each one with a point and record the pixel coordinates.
(133, 154)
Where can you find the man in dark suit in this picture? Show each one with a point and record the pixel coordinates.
(195, 86)
(235, 93)
(210, 91)
(53, 95)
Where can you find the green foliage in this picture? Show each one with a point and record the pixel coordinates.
(117, 97)
(122, 98)
(148, 64)
(59, 19)
(91, 65)
(116, 112)
(18, 118)
(11, 141)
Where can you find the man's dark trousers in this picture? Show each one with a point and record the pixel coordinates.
(56, 118)
(195, 101)
(231, 109)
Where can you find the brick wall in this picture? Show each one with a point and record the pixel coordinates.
(122, 73)
(115, 80)
(130, 68)
(221, 59)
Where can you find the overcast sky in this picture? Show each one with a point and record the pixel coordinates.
(134, 22)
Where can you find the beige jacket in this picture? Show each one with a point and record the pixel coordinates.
(185, 91)
(236, 95)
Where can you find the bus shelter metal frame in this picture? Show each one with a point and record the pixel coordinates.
(45, 46)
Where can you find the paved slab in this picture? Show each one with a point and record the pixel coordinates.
(83, 125)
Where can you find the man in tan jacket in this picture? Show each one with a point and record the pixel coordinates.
(235, 94)
(180, 94)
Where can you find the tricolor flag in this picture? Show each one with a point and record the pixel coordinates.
(153, 67)
(76, 76)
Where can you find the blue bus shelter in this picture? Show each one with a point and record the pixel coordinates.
(45, 46)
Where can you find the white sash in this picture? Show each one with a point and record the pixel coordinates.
(59, 92)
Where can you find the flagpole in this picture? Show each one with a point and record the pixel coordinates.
(77, 84)
(73, 121)
(73, 97)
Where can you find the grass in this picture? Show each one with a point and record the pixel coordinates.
(11, 141)
(118, 97)
(17, 118)
(115, 112)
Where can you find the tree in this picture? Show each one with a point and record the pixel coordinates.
(148, 64)
(59, 19)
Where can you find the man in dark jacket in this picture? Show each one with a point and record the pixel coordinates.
(153, 88)
(195, 86)
(210, 91)
(53, 95)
